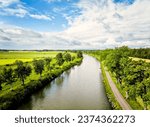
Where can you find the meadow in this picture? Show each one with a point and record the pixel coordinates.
(137, 59)
(10, 57)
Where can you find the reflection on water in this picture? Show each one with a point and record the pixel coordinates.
(78, 88)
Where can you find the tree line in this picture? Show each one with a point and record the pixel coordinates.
(23, 70)
(140, 53)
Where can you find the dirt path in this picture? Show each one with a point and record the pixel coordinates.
(123, 103)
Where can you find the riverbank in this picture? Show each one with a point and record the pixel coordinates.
(112, 99)
(118, 96)
(13, 98)
(110, 95)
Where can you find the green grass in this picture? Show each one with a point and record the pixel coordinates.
(11, 61)
(137, 59)
(26, 56)
(110, 95)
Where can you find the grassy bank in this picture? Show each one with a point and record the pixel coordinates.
(10, 99)
(110, 95)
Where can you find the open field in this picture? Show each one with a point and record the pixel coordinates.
(137, 59)
(26, 56)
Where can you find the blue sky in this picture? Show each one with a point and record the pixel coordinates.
(124, 1)
(54, 10)
(68, 24)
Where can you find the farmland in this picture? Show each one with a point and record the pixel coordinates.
(10, 57)
(137, 59)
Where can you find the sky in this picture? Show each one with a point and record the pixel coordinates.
(74, 24)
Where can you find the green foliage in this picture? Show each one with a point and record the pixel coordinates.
(133, 76)
(38, 66)
(8, 75)
(1, 81)
(59, 58)
(10, 99)
(22, 71)
(67, 57)
(140, 53)
(79, 54)
(47, 62)
(109, 93)
(72, 58)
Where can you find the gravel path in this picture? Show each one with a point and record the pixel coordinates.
(123, 103)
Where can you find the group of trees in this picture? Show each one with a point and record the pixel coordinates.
(61, 57)
(22, 70)
(140, 53)
(133, 76)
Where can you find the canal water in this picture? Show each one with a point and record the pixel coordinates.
(81, 87)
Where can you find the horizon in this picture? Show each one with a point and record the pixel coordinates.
(74, 24)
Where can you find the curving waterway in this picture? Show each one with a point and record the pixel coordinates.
(81, 87)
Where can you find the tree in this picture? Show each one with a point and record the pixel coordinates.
(38, 66)
(67, 57)
(47, 62)
(1, 81)
(22, 71)
(72, 58)
(59, 58)
(8, 75)
(79, 54)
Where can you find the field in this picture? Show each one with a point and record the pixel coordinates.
(137, 59)
(26, 56)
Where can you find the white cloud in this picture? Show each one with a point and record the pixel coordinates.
(44, 17)
(12, 37)
(102, 24)
(20, 10)
(5, 3)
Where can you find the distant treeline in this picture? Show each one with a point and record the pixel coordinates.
(140, 53)
(42, 50)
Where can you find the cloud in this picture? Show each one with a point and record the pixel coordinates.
(5, 3)
(104, 24)
(44, 17)
(13, 37)
(20, 10)
(101, 24)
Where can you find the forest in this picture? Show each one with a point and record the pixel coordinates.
(132, 77)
